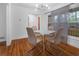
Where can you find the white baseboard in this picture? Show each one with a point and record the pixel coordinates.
(1, 40)
(8, 43)
(16, 38)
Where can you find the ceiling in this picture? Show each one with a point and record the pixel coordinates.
(32, 6)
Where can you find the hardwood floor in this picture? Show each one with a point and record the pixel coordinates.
(18, 47)
(22, 47)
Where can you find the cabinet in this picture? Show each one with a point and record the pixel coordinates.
(50, 23)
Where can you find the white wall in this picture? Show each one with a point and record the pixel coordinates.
(19, 16)
(44, 24)
(19, 21)
(2, 21)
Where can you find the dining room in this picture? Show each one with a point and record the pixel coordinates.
(39, 29)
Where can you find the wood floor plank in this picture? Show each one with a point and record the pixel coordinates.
(22, 47)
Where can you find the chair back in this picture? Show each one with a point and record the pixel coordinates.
(58, 36)
(31, 36)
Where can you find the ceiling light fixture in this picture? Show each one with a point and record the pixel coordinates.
(42, 7)
(36, 5)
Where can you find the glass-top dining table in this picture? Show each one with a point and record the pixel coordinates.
(43, 38)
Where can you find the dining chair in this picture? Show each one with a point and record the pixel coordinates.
(38, 36)
(31, 36)
(37, 44)
(55, 37)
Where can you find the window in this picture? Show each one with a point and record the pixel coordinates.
(56, 18)
(72, 17)
(34, 22)
(78, 16)
(73, 22)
